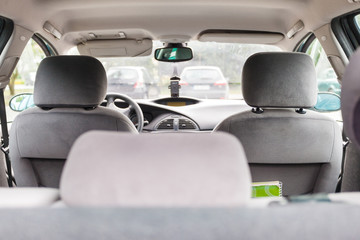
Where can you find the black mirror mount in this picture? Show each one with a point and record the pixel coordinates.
(173, 52)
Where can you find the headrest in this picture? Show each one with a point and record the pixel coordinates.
(156, 170)
(281, 80)
(350, 99)
(70, 81)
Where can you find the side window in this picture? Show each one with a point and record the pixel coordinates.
(357, 20)
(23, 77)
(326, 76)
(327, 81)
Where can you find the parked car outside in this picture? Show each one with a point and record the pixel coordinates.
(132, 81)
(204, 82)
(327, 82)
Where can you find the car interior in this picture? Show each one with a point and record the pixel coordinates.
(224, 120)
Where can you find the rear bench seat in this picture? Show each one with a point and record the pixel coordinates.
(196, 187)
(28, 197)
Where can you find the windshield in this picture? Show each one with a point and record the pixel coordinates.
(213, 73)
(122, 75)
(199, 75)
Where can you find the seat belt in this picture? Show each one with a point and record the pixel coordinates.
(346, 142)
(5, 140)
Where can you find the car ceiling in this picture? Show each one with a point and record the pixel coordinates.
(169, 19)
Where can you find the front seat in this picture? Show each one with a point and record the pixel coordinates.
(67, 94)
(282, 141)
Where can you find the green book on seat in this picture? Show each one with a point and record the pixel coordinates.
(267, 189)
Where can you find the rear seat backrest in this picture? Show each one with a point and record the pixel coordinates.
(166, 170)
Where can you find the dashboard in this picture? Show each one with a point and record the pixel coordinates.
(186, 114)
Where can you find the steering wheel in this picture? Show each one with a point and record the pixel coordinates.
(111, 97)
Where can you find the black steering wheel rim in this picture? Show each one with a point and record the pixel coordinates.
(111, 97)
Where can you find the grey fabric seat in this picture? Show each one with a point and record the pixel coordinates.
(350, 107)
(67, 94)
(28, 197)
(350, 104)
(302, 149)
(193, 175)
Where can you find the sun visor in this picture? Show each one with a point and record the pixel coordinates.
(116, 48)
(241, 37)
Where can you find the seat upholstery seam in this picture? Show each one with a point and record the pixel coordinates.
(329, 162)
(332, 148)
(17, 139)
(267, 118)
(80, 113)
(229, 125)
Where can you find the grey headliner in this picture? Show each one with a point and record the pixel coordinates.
(170, 21)
(184, 19)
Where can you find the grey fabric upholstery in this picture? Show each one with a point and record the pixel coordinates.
(345, 197)
(70, 81)
(294, 221)
(303, 151)
(40, 139)
(165, 170)
(279, 80)
(350, 108)
(350, 100)
(351, 176)
(3, 177)
(28, 197)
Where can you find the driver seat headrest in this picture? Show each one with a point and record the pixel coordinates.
(70, 81)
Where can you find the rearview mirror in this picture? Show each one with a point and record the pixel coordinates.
(327, 102)
(173, 54)
(21, 102)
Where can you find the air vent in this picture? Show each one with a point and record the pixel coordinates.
(166, 124)
(186, 124)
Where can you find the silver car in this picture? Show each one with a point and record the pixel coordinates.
(204, 82)
(132, 81)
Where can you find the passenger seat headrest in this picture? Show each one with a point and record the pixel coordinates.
(70, 81)
(350, 99)
(156, 170)
(280, 80)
